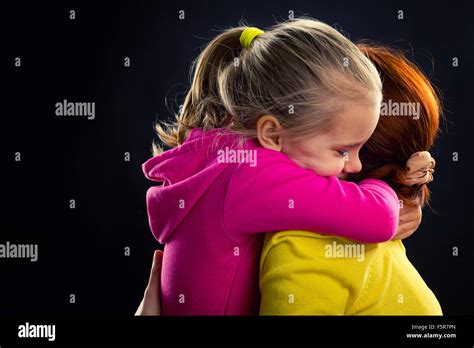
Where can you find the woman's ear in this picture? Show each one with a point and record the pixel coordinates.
(267, 125)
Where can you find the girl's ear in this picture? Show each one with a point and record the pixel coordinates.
(267, 126)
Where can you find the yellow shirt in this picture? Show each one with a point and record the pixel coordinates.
(306, 273)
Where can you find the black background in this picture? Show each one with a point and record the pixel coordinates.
(81, 251)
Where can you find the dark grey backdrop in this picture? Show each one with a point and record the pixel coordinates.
(81, 251)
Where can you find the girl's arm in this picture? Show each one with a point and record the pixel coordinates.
(277, 194)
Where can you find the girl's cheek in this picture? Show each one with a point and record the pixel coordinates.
(338, 167)
(327, 169)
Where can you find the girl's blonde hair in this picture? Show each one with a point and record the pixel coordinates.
(301, 71)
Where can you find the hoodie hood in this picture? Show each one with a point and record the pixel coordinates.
(186, 172)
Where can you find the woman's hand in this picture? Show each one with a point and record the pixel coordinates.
(150, 304)
(410, 219)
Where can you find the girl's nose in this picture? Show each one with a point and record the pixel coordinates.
(353, 165)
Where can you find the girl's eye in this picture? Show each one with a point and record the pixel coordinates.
(343, 153)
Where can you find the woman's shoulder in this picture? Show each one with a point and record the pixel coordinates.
(276, 237)
(327, 250)
(363, 278)
(295, 237)
(312, 265)
(309, 239)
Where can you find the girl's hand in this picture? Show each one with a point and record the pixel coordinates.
(150, 304)
(410, 219)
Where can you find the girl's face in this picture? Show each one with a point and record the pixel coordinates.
(336, 153)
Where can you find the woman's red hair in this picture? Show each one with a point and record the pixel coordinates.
(396, 138)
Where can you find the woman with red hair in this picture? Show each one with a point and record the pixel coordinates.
(305, 273)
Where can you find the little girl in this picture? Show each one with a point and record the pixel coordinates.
(269, 123)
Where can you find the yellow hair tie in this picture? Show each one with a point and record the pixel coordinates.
(248, 35)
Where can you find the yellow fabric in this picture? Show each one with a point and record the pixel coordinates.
(300, 274)
(248, 35)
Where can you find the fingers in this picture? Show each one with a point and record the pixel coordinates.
(156, 264)
(410, 220)
(410, 213)
(150, 304)
(403, 236)
(155, 275)
(405, 230)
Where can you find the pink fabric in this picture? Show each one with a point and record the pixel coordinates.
(210, 216)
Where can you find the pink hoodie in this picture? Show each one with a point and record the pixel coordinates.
(210, 215)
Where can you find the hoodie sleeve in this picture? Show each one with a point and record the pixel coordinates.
(277, 195)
